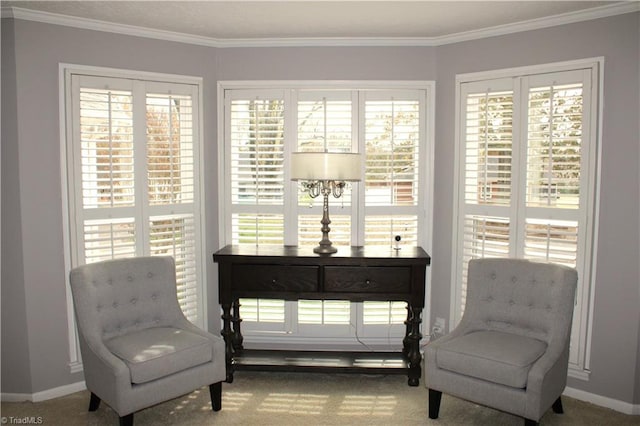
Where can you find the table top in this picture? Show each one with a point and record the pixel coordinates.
(345, 254)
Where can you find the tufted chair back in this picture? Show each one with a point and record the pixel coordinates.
(522, 297)
(120, 296)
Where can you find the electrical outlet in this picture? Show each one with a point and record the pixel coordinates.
(438, 327)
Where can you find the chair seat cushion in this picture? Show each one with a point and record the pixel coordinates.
(160, 351)
(493, 356)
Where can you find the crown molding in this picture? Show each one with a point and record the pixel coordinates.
(132, 30)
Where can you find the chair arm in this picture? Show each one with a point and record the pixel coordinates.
(549, 369)
(105, 374)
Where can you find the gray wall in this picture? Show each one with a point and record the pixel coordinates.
(615, 326)
(15, 349)
(37, 288)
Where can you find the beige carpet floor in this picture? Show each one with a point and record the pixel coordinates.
(260, 398)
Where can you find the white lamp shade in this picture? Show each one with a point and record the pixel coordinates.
(335, 166)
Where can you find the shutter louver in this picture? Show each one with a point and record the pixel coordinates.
(482, 237)
(552, 241)
(381, 230)
(321, 312)
(384, 313)
(262, 310)
(258, 229)
(106, 239)
(485, 237)
(309, 230)
(324, 125)
(174, 235)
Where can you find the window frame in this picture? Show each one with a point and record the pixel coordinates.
(586, 261)
(425, 187)
(70, 237)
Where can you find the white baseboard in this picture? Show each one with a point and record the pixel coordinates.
(44, 395)
(603, 401)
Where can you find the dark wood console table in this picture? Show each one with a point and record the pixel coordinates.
(353, 273)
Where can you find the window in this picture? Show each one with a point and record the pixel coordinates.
(263, 125)
(133, 174)
(526, 160)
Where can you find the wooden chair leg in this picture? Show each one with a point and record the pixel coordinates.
(215, 391)
(126, 420)
(434, 403)
(94, 402)
(557, 406)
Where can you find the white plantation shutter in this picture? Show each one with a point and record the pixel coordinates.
(526, 177)
(255, 143)
(106, 239)
(104, 129)
(392, 204)
(381, 230)
(325, 124)
(384, 313)
(262, 310)
(487, 129)
(554, 139)
(309, 229)
(325, 121)
(175, 235)
(488, 139)
(262, 128)
(106, 148)
(333, 312)
(256, 166)
(392, 135)
(170, 153)
(257, 229)
(133, 156)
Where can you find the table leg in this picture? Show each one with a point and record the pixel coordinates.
(405, 340)
(412, 345)
(237, 338)
(227, 334)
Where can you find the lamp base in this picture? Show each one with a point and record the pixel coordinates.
(325, 249)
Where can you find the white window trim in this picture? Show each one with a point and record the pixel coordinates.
(582, 371)
(65, 70)
(427, 180)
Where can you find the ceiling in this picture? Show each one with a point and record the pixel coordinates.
(312, 20)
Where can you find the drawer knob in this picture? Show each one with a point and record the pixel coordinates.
(273, 281)
(367, 281)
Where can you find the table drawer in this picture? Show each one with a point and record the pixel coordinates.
(373, 279)
(275, 278)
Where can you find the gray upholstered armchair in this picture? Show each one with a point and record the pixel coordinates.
(138, 349)
(511, 348)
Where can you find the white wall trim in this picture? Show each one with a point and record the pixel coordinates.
(132, 30)
(595, 64)
(65, 70)
(603, 401)
(44, 395)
